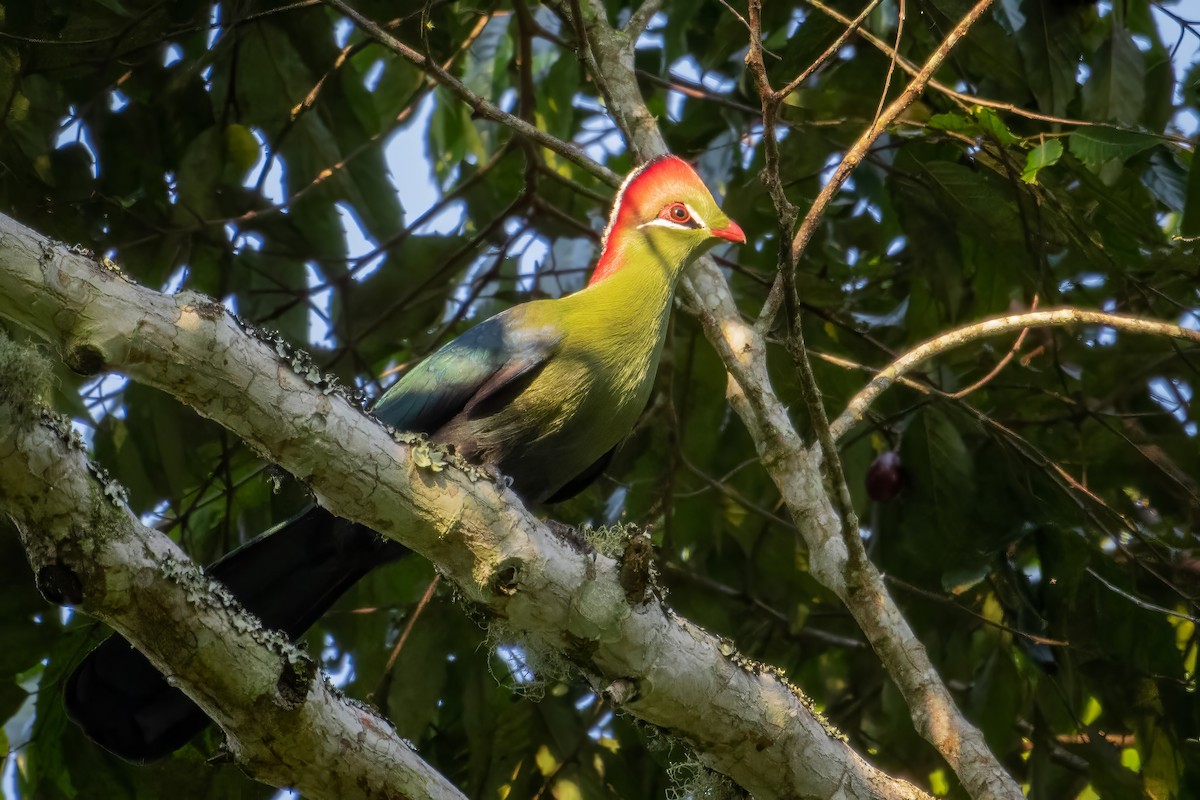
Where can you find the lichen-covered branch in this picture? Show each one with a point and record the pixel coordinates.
(743, 719)
(1056, 317)
(285, 725)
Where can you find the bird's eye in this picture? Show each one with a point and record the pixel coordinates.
(676, 212)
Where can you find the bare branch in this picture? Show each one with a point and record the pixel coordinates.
(1058, 317)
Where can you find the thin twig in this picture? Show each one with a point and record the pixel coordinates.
(887, 82)
(701, 92)
(786, 214)
(851, 26)
(480, 105)
(740, 18)
(950, 601)
(1139, 602)
(409, 108)
(424, 601)
(859, 149)
(381, 695)
(996, 370)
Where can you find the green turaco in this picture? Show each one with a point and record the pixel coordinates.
(542, 393)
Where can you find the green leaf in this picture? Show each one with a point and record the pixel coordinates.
(994, 700)
(10, 71)
(1116, 90)
(957, 581)
(116, 6)
(942, 471)
(990, 123)
(1044, 155)
(1049, 38)
(273, 77)
(957, 123)
(26, 640)
(242, 150)
(1190, 226)
(982, 122)
(1099, 147)
(1167, 178)
(556, 111)
(980, 200)
(397, 304)
(32, 120)
(11, 698)
(488, 56)
(71, 171)
(199, 176)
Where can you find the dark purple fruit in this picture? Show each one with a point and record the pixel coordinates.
(885, 477)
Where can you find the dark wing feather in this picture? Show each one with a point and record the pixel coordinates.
(465, 372)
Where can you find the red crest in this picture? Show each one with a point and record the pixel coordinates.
(639, 198)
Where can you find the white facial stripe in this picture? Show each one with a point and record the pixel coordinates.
(695, 216)
(659, 222)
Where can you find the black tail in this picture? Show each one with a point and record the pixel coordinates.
(288, 577)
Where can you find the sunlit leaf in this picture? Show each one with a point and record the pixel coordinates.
(1044, 155)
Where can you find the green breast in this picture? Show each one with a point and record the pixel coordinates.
(570, 413)
(559, 420)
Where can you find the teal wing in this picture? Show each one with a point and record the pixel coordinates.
(466, 373)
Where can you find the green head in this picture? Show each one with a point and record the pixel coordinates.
(663, 216)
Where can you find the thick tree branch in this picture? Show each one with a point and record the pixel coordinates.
(741, 718)
(1056, 317)
(285, 725)
(796, 470)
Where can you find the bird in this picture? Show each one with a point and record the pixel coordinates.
(542, 393)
